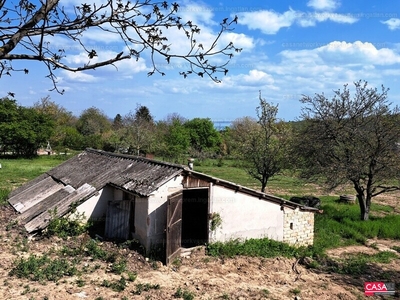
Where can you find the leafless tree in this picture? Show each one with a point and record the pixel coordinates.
(28, 30)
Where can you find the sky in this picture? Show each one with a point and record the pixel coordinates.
(290, 48)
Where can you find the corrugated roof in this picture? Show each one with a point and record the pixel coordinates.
(78, 178)
(136, 174)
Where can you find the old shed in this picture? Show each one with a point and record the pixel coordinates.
(158, 203)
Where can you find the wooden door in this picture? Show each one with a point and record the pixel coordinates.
(174, 226)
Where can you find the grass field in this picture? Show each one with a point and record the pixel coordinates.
(339, 225)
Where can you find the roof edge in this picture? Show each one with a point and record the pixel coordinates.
(246, 190)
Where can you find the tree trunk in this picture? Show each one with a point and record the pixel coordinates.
(364, 207)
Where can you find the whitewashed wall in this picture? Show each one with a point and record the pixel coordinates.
(244, 216)
(95, 208)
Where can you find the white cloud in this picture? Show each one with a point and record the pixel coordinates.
(392, 23)
(78, 76)
(239, 40)
(196, 13)
(256, 77)
(270, 22)
(334, 17)
(358, 53)
(323, 4)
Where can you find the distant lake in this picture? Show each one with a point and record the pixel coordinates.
(221, 124)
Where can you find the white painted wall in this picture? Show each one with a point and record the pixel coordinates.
(95, 207)
(244, 216)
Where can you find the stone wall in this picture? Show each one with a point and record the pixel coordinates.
(298, 227)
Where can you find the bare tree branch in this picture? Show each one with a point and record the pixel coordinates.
(142, 27)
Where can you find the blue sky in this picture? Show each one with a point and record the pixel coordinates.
(290, 48)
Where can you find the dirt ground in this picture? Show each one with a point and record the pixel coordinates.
(199, 275)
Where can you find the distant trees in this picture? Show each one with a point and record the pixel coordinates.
(138, 131)
(173, 137)
(65, 134)
(352, 138)
(22, 130)
(93, 125)
(203, 135)
(262, 144)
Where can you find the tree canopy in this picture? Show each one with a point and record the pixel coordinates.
(22, 130)
(30, 31)
(262, 144)
(352, 139)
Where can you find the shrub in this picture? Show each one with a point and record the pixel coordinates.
(64, 227)
(42, 268)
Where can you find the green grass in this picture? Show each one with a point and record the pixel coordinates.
(15, 172)
(229, 172)
(252, 247)
(340, 224)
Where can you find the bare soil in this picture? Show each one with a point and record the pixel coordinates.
(200, 275)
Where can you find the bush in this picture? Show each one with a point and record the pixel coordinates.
(64, 227)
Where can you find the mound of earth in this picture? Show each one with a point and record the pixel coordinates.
(198, 275)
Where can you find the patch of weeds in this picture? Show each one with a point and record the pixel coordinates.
(265, 292)
(64, 227)
(224, 296)
(132, 276)
(374, 246)
(252, 247)
(93, 250)
(23, 245)
(26, 290)
(177, 262)
(358, 264)
(383, 257)
(80, 282)
(12, 224)
(99, 298)
(396, 248)
(119, 266)
(295, 291)
(184, 294)
(117, 285)
(145, 287)
(42, 268)
(70, 251)
(3, 196)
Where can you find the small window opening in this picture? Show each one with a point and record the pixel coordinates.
(291, 225)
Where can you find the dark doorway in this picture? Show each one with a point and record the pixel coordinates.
(194, 217)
